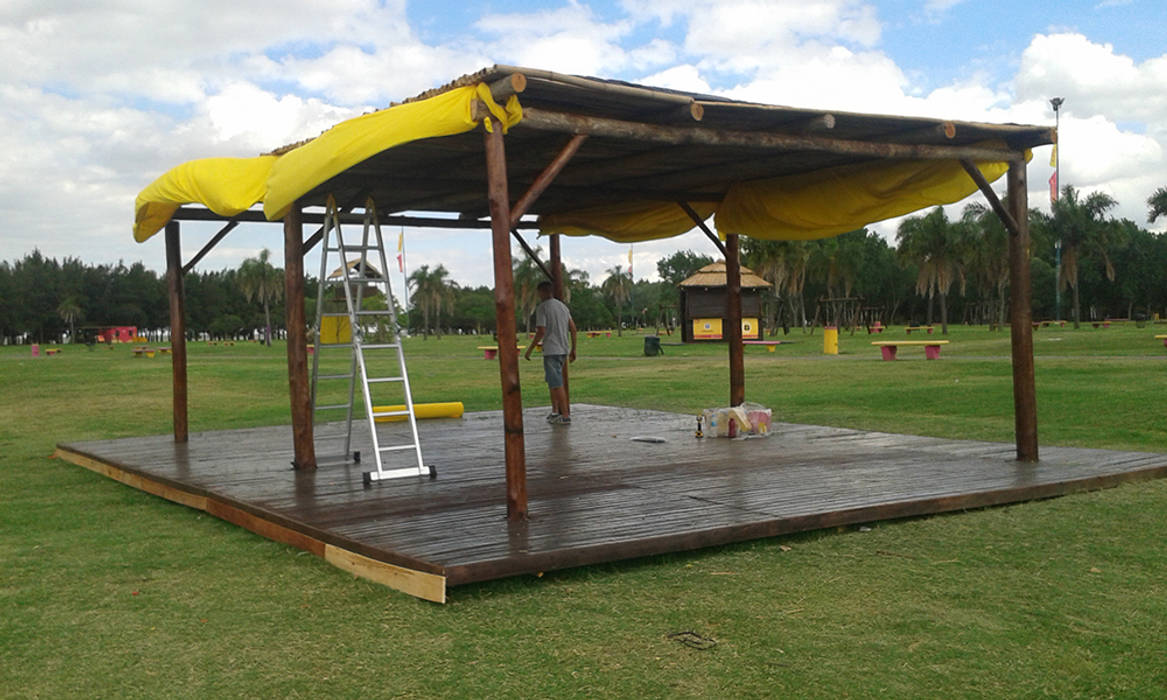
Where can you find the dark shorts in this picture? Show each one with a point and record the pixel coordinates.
(553, 370)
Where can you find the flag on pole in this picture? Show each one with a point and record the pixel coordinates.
(401, 251)
(1053, 157)
(1053, 187)
(630, 261)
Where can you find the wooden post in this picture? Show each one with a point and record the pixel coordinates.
(301, 400)
(733, 313)
(177, 329)
(504, 310)
(1021, 317)
(557, 292)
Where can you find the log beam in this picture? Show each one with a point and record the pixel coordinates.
(548, 120)
(531, 254)
(504, 309)
(994, 202)
(1021, 318)
(733, 313)
(557, 290)
(700, 223)
(174, 272)
(541, 183)
(210, 244)
(298, 389)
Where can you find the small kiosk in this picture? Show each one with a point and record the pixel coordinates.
(703, 304)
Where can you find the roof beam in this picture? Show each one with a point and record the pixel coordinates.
(535, 118)
(987, 190)
(256, 216)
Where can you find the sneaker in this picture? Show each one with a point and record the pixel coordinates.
(560, 420)
(552, 417)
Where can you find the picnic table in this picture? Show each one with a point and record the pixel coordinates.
(489, 352)
(888, 347)
(770, 344)
(909, 329)
(1163, 338)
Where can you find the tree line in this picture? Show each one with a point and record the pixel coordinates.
(939, 270)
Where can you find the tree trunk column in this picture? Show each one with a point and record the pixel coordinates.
(504, 309)
(177, 329)
(300, 395)
(1021, 319)
(558, 291)
(733, 313)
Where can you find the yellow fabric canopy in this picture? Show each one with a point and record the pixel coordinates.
(833, 201)
(794, 207)
(228, 186)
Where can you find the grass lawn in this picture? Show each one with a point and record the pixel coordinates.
(109, 592)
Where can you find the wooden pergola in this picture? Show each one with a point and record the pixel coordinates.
(586, 143)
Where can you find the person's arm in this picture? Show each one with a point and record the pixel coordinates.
(539, 330)
(571, 327)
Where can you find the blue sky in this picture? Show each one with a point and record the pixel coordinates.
(99, 98)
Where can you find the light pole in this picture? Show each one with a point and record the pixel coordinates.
(1056, 103)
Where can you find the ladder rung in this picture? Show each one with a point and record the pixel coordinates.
(334, 376)
(375, 312)
(398, 448)
(378, 380)
(334, 314)
(366, 279)
(360, 247)
(383, 414)
(332, 407)
(379, 346)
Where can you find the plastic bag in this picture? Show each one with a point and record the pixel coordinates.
(737, 421)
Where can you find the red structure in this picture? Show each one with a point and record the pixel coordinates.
(119, 334)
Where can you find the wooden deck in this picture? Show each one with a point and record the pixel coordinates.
(596, 494)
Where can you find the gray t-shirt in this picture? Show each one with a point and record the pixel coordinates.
(555, 317)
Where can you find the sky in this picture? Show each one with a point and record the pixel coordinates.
(100, 97)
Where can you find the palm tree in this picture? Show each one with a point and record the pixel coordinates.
(527, 276)
(69, 311)
(985, 254)
(260, 281)
(618, 288)
(1158, 204)
(432, 289)
(930, 242)
(1078, 223)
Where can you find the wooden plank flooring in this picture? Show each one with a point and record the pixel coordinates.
(595, 494)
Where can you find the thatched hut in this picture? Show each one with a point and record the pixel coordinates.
(705, 298)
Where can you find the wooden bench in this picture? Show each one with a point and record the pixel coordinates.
(770, 344)
(909, 329)
(164, 351)
(931, 347)
(52, 351)
(140, 351)
(489, 352)
(1163, 338)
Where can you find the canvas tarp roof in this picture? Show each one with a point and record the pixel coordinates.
(798, 197)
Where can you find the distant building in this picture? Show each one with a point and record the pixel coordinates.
(117, 334)
(703, 303)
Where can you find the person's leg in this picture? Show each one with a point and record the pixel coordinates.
(559, 402)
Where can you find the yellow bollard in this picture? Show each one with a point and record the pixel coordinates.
(830, 340)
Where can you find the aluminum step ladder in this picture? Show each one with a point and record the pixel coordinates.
(351, 280)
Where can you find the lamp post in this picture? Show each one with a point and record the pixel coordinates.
(1056, 103)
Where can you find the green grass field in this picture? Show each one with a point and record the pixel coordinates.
(109, 592)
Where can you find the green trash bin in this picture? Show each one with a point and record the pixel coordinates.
(652, 346)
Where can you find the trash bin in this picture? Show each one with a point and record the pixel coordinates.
(652, 346)
(830, 340)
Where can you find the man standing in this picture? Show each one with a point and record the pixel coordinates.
(553, 326)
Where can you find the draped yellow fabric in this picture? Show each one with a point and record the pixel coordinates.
(355, 140)
(829, 202)
(228, 186)
(626, 222)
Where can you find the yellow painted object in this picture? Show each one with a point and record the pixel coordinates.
(830, 340)
(707, 329)
(449, 409)
(336, 329)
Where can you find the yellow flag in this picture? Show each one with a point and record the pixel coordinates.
(400, 241)
(1053, 157)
